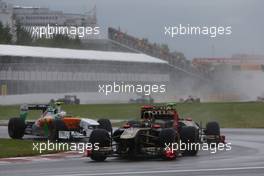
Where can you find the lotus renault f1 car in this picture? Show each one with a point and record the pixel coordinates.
(150, 137)
(53, 123)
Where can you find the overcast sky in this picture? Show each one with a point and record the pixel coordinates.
(147, 18)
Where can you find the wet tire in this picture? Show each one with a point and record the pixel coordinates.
(167, 137)
(101, 137)
(16, 128)
(116, 135)
(77, 101)
(105, 124)
(213, 128)
(190, 137)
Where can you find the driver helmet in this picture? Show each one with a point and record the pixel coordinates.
(148, 115)
(62, 113)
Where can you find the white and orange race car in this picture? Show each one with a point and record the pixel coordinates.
(53, 123)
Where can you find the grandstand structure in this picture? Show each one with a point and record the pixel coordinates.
(33, 70)
(30, 18)
(238, 62)
(39, 16)
(143, 46)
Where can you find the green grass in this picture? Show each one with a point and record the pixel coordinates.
(113, 111)
(229, 115)
(235, 115)
(19, 148)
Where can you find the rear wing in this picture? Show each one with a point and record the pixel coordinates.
(154, 111)
(28, 107)
(161, 112)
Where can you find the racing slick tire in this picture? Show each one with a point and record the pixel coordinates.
(16, 128)
(190, 137)
(77, 101)
(105, 124)
(54, 128)
(213, 128)
(167, 137)
(102, 137)
(116, 135)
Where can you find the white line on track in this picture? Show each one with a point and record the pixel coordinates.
(164, 171)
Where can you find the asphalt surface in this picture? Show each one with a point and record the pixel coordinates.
(3, 132)
(245, 158)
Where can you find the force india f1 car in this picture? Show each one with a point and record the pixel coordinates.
(149, 137)
(53, 123)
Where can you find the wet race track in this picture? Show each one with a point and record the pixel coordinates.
(245, 158)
